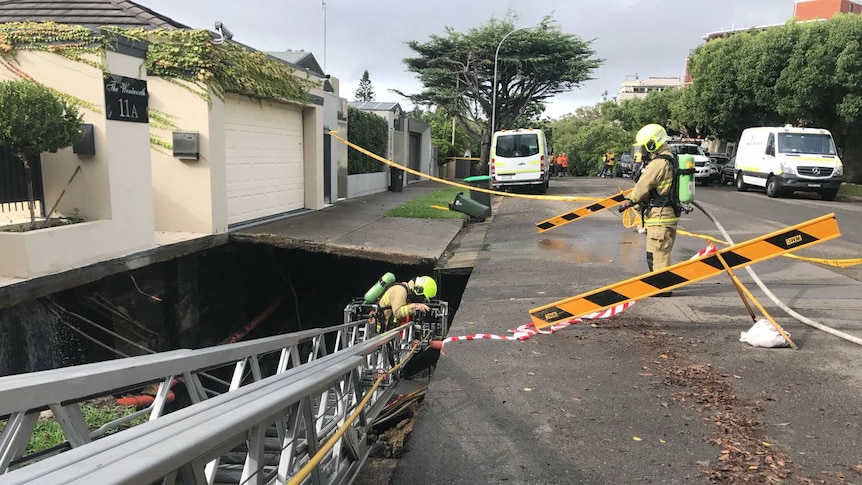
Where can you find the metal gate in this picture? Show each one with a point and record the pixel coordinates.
(13, 184)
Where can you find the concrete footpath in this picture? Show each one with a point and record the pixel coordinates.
(357, 228)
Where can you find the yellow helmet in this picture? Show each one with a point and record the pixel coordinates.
(425, 286)
(652, 137)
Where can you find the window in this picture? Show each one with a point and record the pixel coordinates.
(687, 150)
(810, 143)
(517, 145)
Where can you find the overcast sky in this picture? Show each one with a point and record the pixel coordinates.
(635, 37)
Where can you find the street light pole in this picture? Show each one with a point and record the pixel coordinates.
(494, 86)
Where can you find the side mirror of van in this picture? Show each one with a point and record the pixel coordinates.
(840, 152)
(770, 150)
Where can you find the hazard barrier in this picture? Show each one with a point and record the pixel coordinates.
(737, 256)
(526, 331)
(581, 212)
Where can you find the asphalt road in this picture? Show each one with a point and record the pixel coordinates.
(663, 393)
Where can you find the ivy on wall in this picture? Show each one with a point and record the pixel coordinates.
(187, 55)
(370, 131)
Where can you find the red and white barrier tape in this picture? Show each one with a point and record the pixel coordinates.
(528, 330)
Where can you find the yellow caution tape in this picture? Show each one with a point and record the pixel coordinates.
(562, 198)
(837, 263)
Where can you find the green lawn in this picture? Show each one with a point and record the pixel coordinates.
(421, 207)
(850, 189)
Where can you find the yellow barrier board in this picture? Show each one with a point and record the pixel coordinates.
(584, 211)
(737, 256)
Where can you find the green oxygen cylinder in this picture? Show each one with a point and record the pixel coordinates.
(686, 179)
(377, 290)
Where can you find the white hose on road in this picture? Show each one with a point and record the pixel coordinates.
(762, 286)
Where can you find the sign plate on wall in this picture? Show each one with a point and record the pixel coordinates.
(126, 99)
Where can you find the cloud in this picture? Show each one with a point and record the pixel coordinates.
(643, 37)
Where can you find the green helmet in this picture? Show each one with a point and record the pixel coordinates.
(652, 137)
(425, 286)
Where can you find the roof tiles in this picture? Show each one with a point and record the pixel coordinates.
(88, 13)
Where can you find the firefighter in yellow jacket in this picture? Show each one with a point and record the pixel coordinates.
(653, 194)
(403, 300)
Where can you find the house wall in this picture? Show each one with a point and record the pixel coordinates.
(88, 192)
(189, 195)
(131, 187)
(424, 131)
(113, 190)
(312, 125)
(335, 119)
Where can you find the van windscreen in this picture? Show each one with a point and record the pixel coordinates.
(517, 145)
(810, 143)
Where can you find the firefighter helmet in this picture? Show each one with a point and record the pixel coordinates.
(425, 286)
(652, 137)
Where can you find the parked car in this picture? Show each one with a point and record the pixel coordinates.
(703, 167)
(728, 172)
(718, 162)
(625, 165)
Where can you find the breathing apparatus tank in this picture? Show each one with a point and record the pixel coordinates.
(376, 291)
(686, 179)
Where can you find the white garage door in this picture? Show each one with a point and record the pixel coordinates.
(263, 153)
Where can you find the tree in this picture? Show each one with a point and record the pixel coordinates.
(589, 133)
(534, 64)
(34, 120)
(364, 92)
(798, 73)
(442, 128)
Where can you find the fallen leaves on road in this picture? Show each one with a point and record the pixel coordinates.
(744, 457)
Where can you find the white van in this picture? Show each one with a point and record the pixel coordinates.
(520, 158)
(789, 159)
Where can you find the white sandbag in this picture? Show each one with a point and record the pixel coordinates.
(764, 334)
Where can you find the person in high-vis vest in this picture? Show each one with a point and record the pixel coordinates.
(652, 193)
(404, 300)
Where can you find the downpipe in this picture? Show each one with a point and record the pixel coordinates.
(779, 303)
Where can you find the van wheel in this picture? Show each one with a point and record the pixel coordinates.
(829, 194)
(773, 188)
(740, 185)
